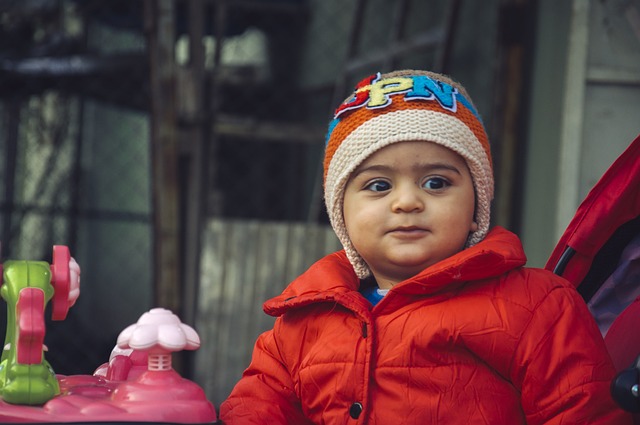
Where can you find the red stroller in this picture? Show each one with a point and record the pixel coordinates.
(599, 253)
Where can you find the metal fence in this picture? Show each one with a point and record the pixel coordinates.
(76, 140)
(74, 149)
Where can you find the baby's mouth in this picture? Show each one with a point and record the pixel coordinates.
(408, 230)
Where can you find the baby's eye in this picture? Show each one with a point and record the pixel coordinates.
(378, 186)
(435, 183)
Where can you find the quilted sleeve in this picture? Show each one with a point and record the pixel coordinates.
(562, 366)
(264, 394)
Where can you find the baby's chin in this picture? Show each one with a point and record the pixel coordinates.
(413, 261)
(400, 271)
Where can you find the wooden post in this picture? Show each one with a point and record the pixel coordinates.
(509, 110)
(194, 123)
(160, 29)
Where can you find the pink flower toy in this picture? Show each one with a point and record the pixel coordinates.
(159, 332)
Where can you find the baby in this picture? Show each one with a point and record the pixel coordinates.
(426, 316)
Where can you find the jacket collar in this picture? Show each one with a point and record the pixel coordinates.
(332, 278)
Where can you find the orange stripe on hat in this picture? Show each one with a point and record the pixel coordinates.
(355, 118)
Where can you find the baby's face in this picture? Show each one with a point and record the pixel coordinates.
(408, 206)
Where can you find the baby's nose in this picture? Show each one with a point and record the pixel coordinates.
(408, 199)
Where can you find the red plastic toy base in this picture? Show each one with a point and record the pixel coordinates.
(154, 396)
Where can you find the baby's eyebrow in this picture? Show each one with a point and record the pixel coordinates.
(436, 166)
(372, 168)
(429, 167)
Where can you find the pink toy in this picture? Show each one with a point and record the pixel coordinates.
(138, 383)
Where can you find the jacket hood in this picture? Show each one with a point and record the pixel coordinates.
(332, 278)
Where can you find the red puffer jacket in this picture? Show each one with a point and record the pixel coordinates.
(474, 339)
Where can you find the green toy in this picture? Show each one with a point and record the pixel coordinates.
(27, 286)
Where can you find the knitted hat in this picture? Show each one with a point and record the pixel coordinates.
(404, 106)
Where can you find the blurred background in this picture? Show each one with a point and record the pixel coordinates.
(175, 146)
